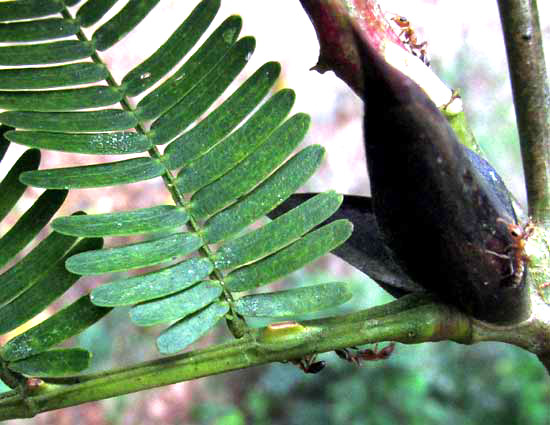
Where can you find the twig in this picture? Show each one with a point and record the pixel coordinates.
(527, 67)
(411, 319)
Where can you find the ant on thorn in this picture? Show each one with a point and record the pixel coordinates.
(411, 40)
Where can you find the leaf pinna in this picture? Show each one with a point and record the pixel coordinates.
(225, 170)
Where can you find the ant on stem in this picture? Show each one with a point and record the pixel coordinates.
(366, 355)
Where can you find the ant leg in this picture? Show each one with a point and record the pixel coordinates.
(454, 95)
(504, 257)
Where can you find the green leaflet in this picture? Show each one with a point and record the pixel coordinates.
(54, 363)
(60, 100)
(28, 226)
(43, 292)
(104, 120)
(310, 247)
(296, 301)
(225, 118)
(92, 11)
(93, 143)
(197, 101)
(234, 148)
(170, 53)
(293, 174)
(26, 9)
(54, 76)
(44, 53)
(146, 220)
(134, 256)
(191, 72)
(278, 233)
(190, 329)
(10, 188)
(122, 23)
(152, 285)
(245, 176)
(64, 324)
(109, 174)
(33, 266)
(176, 306)
(40, 29)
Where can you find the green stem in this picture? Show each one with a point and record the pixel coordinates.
(412, 319)
(527, 67)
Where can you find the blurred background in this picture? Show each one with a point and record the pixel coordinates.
(422, 384)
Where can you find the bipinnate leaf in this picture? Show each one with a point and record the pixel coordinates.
(233, 168)
(98, 175)
(295, 301)
(11, 188)
(176, 306)
(42, 292)
(293, 257)
(188, 330)
(145, 220)
(152, 285)
(64, 324)
(134, 256)
(54, 363)
(28, 226)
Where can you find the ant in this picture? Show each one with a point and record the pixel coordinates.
(366, 355)
(417, 49)
(309, 365)
(519, 234)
